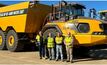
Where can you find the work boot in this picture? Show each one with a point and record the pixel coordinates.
(40, 57)
(68, 60)
(56, 59)
(71, 61)
(50, 58)
(46, 57)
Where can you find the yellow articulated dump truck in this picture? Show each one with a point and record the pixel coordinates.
(21, 22)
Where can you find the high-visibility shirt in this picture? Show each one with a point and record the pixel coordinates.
(50, 42)
(68, 40)
(58, 40)
(38, 38)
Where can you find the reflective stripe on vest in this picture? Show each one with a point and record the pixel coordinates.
(38, 38)
(58, 40)
(50, 40)
(68, 40)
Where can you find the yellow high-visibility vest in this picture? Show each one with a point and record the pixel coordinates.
(50, 42)
(38, 38)
(68, 40)
(58, 40)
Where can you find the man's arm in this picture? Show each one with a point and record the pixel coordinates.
(72, 40)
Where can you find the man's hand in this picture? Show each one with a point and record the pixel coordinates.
(32, 41)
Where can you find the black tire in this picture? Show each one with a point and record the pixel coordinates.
(53, 31)
(17, 45)
(2, 43)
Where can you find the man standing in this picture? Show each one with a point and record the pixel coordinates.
(39, 39)
(58, 41)
(68, 41)
(50, 46)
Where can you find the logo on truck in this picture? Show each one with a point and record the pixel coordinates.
(12, 13)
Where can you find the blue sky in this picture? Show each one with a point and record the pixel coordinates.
(98, 5)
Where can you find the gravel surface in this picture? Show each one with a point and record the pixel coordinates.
(7, 57)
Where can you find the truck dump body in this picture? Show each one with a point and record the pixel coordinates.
(23, 17)
(35, 17)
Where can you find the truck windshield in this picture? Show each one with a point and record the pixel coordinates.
(69, 10)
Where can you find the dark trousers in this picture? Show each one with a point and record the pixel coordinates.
(41, 50)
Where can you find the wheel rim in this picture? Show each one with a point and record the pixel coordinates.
(11, 40)
(1, 40)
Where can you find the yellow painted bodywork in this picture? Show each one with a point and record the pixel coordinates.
(84, 39)
(18, 22)
(22, 5)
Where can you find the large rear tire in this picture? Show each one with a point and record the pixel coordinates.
(2, 40)
(12, 42)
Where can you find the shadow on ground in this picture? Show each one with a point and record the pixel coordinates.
(98, 52)
(30, 48)
(81, 54)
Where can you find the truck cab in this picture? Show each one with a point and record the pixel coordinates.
(66, 11)
(69, 17)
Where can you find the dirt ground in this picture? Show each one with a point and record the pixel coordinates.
(7, 57)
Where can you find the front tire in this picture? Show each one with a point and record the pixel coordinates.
(12, 42)
(53, 31)
(2, 40)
